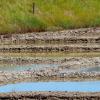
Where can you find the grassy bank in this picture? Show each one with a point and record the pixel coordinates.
(19, 15)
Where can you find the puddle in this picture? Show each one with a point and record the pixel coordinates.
(25, 67)
(93, 69)
(86, 86)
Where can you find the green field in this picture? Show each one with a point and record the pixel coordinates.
(19, 16)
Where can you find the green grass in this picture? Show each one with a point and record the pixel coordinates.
(17, 15)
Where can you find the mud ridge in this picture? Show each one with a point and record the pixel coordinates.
(50, 96)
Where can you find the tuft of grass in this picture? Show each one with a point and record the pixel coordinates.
(17, 15)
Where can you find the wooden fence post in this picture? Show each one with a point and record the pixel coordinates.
(33, 8)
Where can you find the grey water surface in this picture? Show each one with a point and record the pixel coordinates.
(25, 67)
(91, 69)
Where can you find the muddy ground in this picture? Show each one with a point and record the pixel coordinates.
(50, 96)
(67, 69)
(77, 40)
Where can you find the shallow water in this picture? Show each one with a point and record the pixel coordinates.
(93, 69)
(86, 86)
(25, 67)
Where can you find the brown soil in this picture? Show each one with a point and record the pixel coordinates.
(50, 96)
(79, 40)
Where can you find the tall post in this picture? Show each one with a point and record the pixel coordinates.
(33, 8)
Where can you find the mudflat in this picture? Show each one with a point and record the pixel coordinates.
(72, 68)
(75, 54)
(51, 96)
